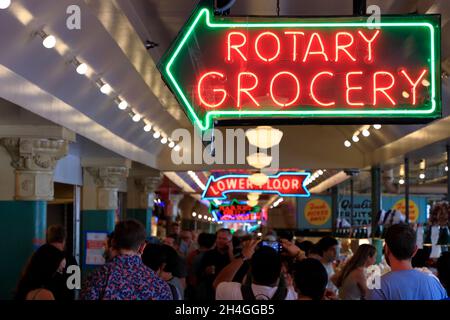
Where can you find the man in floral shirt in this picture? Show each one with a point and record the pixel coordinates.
(126, 277)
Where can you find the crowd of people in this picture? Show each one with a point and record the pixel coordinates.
(225, 266)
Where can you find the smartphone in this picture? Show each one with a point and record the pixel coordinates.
(273, 244)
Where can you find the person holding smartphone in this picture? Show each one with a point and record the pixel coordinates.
(214, 261)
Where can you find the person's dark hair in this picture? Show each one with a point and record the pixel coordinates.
(401, 241)
(306, 246)
(265, 266)
(175, 237)
(56, 234)
(128, 235)
(109, 238)
(310, 278)
(223, 230)
(314, 250)
(154, 256)
(421, 258)
(358, 260)
(206, 240)
(285, 234)
(157, 255)
(172, 259)
(39, 271)
(443, 269)
(326, 243)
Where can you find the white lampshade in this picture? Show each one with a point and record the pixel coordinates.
(258, 179)
(259, 160)
(253, 196)
(252, 203)
(264, 137)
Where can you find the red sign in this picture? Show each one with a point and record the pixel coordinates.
(344, 67)
(283, 184)
(236, 211)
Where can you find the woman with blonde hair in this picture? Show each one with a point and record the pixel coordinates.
(352, 280)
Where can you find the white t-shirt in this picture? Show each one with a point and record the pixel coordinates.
(330, 272)
(232, 291)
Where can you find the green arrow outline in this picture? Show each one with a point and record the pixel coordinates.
(202, 11)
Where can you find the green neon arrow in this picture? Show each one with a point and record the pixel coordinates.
(203, 21)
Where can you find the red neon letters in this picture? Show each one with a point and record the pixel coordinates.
(291, 68)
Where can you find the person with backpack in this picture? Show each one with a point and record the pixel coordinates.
(163, 259)
(264, 281)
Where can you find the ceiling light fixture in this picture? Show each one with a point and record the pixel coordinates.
(177, 148)
(258, 179)
(347, 143)
(164, 140)
(401, 181)
(366, 133)
(355, 138)
(171, 144)
(252, 203)
(123, 105)
(264, 137)
(4, 4)
(105, 88)
(148, 127)
(377, 126)
(259, 160)
(253, 196)
(137, 118)
(157, 134)
(48, 41)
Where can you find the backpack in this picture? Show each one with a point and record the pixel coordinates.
(174, 291)
(280, 294)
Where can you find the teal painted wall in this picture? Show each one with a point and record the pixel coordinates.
(94, 221)
(22, 231)
(144, 216)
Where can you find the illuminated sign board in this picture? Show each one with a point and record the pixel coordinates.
(306, 69)
(286, 184)
(235, 211)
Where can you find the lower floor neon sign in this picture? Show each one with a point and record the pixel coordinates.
(286, 184)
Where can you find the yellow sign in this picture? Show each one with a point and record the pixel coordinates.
(400, 205)
(317, 212)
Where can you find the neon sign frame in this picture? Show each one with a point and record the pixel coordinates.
(224, 194)
(234, 202)
(204, 11)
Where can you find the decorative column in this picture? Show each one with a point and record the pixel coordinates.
(100, 202)
(27, 166)
(140, 196)
(173, 209)
(34, 161)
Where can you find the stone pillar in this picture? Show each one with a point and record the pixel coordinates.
(100, 201)
(140, 196)
(107, 180)
(27, 170)
(173, 208)
(34, 160)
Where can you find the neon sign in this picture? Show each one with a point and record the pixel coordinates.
(235, 211)
(288, 184)
(241, 67)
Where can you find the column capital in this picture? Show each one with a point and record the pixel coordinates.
(108, 177)
(34, 160)
(148, 184)
(35, 154)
